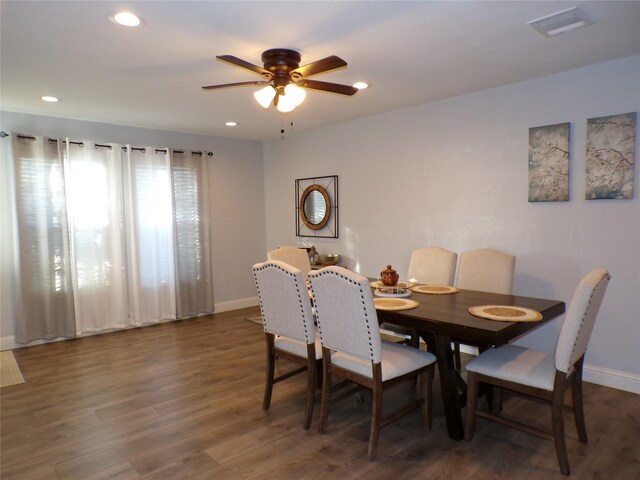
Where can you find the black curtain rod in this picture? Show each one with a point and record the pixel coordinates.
(97, 145)
(55, 140)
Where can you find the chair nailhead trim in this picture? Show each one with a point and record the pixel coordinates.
(367, 317)
(267, 265)
(575, 343)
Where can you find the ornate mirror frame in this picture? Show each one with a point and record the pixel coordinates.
(322, 222)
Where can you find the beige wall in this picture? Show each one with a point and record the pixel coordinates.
(454, 173)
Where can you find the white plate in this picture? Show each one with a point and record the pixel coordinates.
(397, 285)
(382, 292)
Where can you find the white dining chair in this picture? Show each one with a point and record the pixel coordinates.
(543, 375)
(289, 327)
(352, 349)
(297, 257)
(432, 265)
(484, 270)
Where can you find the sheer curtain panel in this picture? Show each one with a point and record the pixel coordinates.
(96, 216)
(149, 221)
(190, 176)
(46, 305)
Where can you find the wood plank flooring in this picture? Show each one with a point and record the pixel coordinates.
(183, 400)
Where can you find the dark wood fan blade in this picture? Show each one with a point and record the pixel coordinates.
(327, 87)
(244, 64)
(238, 84)
(319, 66)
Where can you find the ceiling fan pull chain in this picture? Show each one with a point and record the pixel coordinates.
(282, 130)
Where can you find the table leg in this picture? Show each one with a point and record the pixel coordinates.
(449, 386)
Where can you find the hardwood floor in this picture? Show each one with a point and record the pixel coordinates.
(183, 400)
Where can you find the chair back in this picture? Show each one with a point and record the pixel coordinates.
(298, 257)
(345, 313)
(284, 301)
(580, 319)
(433, 265)
(486, 270)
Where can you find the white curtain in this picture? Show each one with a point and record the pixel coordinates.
(149, 220)
(94, 200)
(108, 237)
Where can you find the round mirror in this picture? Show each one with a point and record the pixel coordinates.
(315, 207)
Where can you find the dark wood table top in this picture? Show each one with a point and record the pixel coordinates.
(443, 318)
(449, 315)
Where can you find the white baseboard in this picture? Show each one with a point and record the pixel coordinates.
(235, 304)
(7, 343)
(598, 375)
(611, 378)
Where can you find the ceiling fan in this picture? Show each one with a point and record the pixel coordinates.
(283, 76)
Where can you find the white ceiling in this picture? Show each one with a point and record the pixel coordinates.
(409, 52)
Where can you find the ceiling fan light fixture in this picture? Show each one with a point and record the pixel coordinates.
(360, 85)
(265, 95)
(291, 98)
(295, 93)
(285, 105)
(285, 78)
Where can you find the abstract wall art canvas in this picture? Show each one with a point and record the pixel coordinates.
(549, 163)
(610, 156)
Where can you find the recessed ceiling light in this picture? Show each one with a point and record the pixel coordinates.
(360, 85)
(231, 124)
(127, 19)
(48, 98)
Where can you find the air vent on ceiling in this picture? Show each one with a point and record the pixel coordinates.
(560, 22)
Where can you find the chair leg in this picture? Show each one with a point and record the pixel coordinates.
(326, 390)
(496, 400)
(457, 361)
(318, 368)
(271, 360)
(578, 411)
(311, 385)
(376, 417)
(425, 383)
(472, 405)
(578, 407)
(557, 408)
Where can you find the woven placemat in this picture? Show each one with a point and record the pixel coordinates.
(435, 289)
(505, 313)
(394, 303)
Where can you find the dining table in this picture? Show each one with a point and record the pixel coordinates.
(441, 319)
